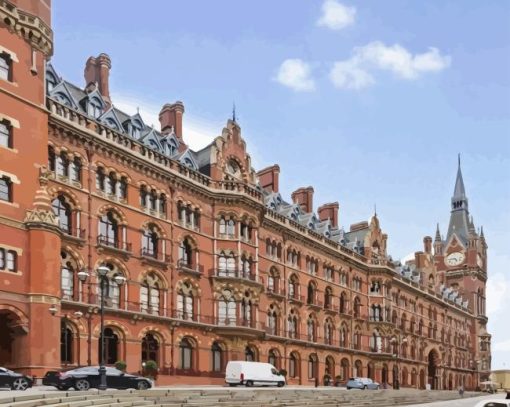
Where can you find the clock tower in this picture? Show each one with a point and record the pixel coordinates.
(461, 263)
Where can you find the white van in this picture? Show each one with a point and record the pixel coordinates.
(253, 374)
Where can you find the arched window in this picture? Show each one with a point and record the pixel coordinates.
(95, 108)
(62, 211)
(272, 320)
(293, 286)
(310, 298)
(246, 267)
(357, 308)
(231, 228)
(111, 346)
(62, 98)
(312, 367)
(150, 294)
(122, 186)
(100, 178)
(344, 371)
(185, 301)
(75, 166)
(226, 265)
(227, 309)
(162, 204)
(272, 358)
(186, 353)
(292, 322)
(67, 276)
(246, 230)
(66, 344)
(358, 369)
(273, 281)
(328, 332)
(217, 357)
(249, 354)
(150, 348)
(376, 342)
(143, 196)
(109, 230)
(344, 336)
(62, 165)
(153, 198)
(186, 254)
(343, 303)
(111, 183)
(293, 365)
(150, 242)
(328, 296)
(111, 290)
(311, 329)
(246, 310)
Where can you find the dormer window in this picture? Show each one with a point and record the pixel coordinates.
(95, 108)
(62, 98)
(5, 67)
(233, 169)
(189, 163)
(136, 132)
(111, 123)
(51, 81)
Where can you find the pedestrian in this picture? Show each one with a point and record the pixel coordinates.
(461, 391)
(507, 395)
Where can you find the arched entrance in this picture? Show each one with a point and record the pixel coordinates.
(432, 369)
(11, 328)
(422, 379)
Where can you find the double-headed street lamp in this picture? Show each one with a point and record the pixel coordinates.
(396, 355)
(104, 279)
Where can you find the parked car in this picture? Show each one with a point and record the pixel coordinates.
(493, 403)
(13, 380)
(253, 374)
(84, 378)
(362, 383)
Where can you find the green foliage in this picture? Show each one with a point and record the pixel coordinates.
(283, 372)
(121, 365)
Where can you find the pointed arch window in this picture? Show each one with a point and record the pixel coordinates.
(246, 310)
(292, 323)
(100, 178)
(185, 302)
(312, 367)
(111, 346)
(62, 165)
(217, 357)
(272, 321)
(150, 348)
(5, 134)
(186, 354)
(109, 230)
(68, 275)
(186, 254)
(150, 294)
(227, 309)
(66, 344)
(5, 66)
(311, 329)
(150, 242)
(62, 211)
(293, 365)
(249, 354)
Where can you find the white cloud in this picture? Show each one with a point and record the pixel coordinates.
(296, 74)
(336, 16)
(197, 133)
(498, 292)
(354, 73)
(348, 74)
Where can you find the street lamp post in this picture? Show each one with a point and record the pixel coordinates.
(396, 355)
(102, 273)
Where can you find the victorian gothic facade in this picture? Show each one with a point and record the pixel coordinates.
(218, 265)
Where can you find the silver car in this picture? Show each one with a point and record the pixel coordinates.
(362, 383)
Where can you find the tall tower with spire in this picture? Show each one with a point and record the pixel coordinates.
(461, 261)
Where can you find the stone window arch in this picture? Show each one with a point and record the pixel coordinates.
(293, 324)
(247, 311)
(227, 308)
(294, 365)
(272, 320)
(151, 294)
(111, 346)
(187, 354)
(187, 254)
(329, 330)
(273, 280)
(250, 354)
(226, 264)
(186, 301)
(313, 366)
(293, 286)
(150, 348)
(273, 357)
(151, 241)
(217, 357)
(311, 293)
(311, 328)
(69, 283)
(64, 213)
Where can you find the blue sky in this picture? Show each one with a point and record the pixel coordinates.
(368, 102)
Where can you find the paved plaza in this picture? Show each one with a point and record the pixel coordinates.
(212, 396)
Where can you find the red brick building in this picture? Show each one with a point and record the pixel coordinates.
(218, 265)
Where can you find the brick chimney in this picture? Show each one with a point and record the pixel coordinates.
(329, 211)
(268, 178)
(427, 244)
(304, 197)
(97, 70)
(171, 116)
(419, 259)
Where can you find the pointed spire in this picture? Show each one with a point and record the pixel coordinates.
(234, 112)
(375, 210)
(481, 232)
(459, 192)
(438, 234)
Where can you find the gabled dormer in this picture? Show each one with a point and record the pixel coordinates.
(152, 140)
(134, 126)
(111, 119)
(170, 144)
(52, 78)
(93, 104)
(188, 160)
(62, 94)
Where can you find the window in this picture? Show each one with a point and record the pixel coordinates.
(122, 188)
(293, 365)
(5, 189)
(62, 211)
(246, 264)
(246, 310)
(111, 183)
(310, 328)
(312, 367)
(67, 277)
(217, 357)
(62, 165)
(162, 204)
(108, 230)
(272, 321)
(246, 231)
(51, 81)
(150, 294)
(75, 172)
(186, 352)
(8, 260)
(150, 348)
(66, 344)
(249, 354)
(186, 254)
(100, 178)
(272, 358)
(5, 134)
(185, 302)
(292, 322)
(111, 346)
(226, 265)
(150, 242)
(227, 309)
(2, 260)
(95, 108)
(5, 67)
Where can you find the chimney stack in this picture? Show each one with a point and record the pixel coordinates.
(304, 197)
(427, 244)
(268, 178)
(171, 116)
(97, 70)
(329, 211)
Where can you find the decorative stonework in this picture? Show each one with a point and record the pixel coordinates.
(28, 26)
(42, 214)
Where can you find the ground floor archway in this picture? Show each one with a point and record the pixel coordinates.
(12, 328)
(433, 363)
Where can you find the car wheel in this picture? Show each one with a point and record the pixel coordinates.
(63, 388)
(348, 388)
(281, 384)
(82, 385)
(20, 384)
(232, 384)
(142, 385)
(364, 387)
(249, 383)
(377, 388)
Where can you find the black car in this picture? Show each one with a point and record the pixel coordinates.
(13, 380)
(84, 378)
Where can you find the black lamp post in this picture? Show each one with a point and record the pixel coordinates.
(102, 273)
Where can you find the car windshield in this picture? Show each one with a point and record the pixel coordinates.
(111, 371)
(5, 370)
(83, 370)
